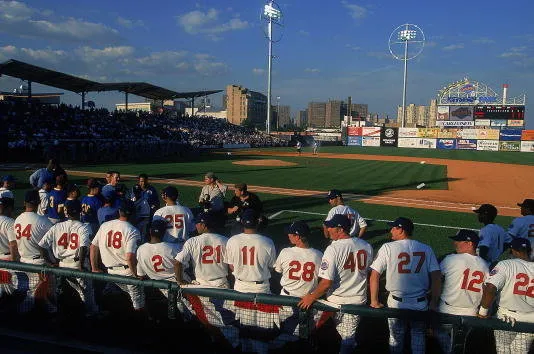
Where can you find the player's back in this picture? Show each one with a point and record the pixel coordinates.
(514, 277)
(355, 218)
(90, 205)
(65, 238)
(115, 239)
(207, 253)
(57, 198)
(180, 222)
(29, 230)
(464, 276)
(299, 268)
(6, 233)
(493, 236)
(155, 260)
(522, 227)
(252, 256)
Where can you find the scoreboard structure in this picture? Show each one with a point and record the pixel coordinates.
(499, 112)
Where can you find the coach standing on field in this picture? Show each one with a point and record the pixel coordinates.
(411, 270)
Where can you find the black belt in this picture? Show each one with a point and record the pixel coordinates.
(36, 257)
(399, 299)
(255, 282)
(7, 254)
(285, 291)
(119, 266)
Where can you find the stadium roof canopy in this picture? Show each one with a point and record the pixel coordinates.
(33, 73)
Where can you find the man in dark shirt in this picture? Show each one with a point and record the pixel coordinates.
(242, 200)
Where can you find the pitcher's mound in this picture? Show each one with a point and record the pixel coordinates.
(264, 163)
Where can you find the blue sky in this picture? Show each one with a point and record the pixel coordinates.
(329, 49)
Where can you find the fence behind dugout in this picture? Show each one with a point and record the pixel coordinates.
(266, 322)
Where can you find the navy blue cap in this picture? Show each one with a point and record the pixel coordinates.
(73, 207)
(486, 209)
(298, 228)
(208, 218)
(466, 235)
(404, 223)
(109, 193)
(32, 196)
(171, 192)
(338, 220)
(249, 218)
(158, 226)
(333, 193)
(527, 203)
(7, 202)
(521, 244)
(8, 178)
(127, 206)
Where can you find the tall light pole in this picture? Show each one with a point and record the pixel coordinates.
(277, 113)
(273, 15)
(399, 41)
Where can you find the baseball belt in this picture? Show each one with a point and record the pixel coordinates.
(255, 282)
(119, 267)
(399, 299)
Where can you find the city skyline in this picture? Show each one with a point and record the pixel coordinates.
(327, 51)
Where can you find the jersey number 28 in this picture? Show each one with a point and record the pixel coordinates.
(308, 270)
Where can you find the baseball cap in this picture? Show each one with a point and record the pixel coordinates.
(298, 228)
(404, 223)
(333, 193)
(207, 218)
(520, 244)
(466, 235)
(338, 220)
(527, 203)
(170, 191)
(92, 183)
(7, 202)
(8, 178)
(73, 207)
(127, 207)
(108, 193)
(249, 218)
(486, 209)
(158, 226)
(32, 196)
(210, 175)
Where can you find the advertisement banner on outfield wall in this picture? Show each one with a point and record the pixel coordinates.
(371, 141)
(446, 144)
(467, 133)
(527, 135)
(455, 123)
(510, 135)
(462, 113)
(371, 131)
(488, 145)
(354, 141)
(408, 132)
(488, 134)
(509, 146)
(417, 143)
(443, 113)
(354, 131)
(498, 122)
(389, 137)
(482, 122)
(515, 123)
(427, 132)
(447, 133)
(466, 144)
(527, 146)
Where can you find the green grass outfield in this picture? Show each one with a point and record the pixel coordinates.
(366, 177)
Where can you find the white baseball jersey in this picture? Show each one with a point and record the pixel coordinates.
(464, 275)
(493, 237)
(514, 279)
(356, 221)
(29, 230)
(45, 199)
(115, 239)
(207, 255)
(408, 264)
(522, 227)
(251, 255)
(7, 234)
(65, 239)
(180, 222)
(299, 268)
(6, 193)
(346, 262)
(156, 260)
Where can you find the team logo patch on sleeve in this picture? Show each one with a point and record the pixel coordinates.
(493, 271)
(324, 265)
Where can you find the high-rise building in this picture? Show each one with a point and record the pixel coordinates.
(283, 115)
(333, 114)
(432, 113)
(316, 114)
(242, 103)
(421, 118)
(302, 118)
(360, 110)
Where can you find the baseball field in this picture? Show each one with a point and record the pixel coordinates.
(381, 183)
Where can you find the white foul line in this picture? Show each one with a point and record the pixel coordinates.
(382, 220)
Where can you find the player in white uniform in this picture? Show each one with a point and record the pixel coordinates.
(463, 276)
(523, 226)
(8, 183)
(493, 238)
(180, 220)
(411, 270)
(44, 196)
(206, 253)
(343, 272)
(115, 244)
(512, 279)
(358, 224)
(8, 244)
(69, 242)
(29, 230)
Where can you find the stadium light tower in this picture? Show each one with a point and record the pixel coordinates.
(406, 42)
(272, 15)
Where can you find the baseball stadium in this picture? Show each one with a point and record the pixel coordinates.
(438, 188)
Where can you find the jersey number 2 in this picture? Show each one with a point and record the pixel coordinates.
(157, 262)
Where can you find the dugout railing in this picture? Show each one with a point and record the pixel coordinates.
(462, 324)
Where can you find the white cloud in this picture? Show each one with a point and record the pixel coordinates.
(124, 22)
(258, 71)
(483, 41)
(90, 54)
(198, 22)
(515, 52)
(355, 11)
(14, 11)
(311, 70)
(304, 33)
(352, 47)
(453, 47)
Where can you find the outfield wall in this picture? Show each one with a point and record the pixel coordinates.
(506, 139)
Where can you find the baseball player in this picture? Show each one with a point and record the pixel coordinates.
(8, 244)
(58, 195)
(206, 253)
(344, 269)
(91, 203)
(115, 245)
(358, 224)
(315, 147)
(29, 230)
(44, 196)
(108, 211)
(493, 238)
(180, 220)
(512, 280)
(8, 183)
(463, 276)
(142, 211)
(212, 194)
(149, 193)
(113, 179)
(411, 271)
(69, 242)
(73, 195)
(36, 179)
(523, 226)
(242, 200)
(299, 147)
